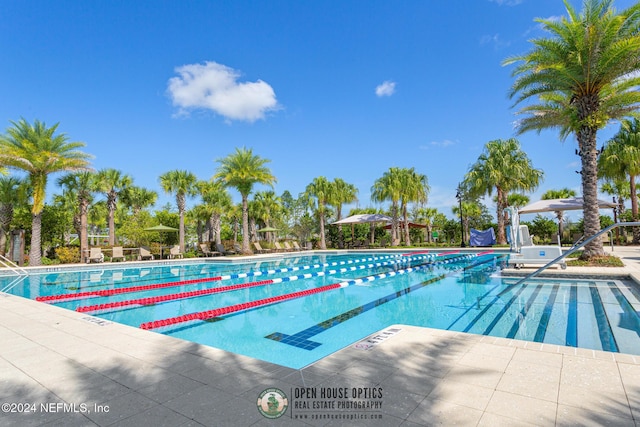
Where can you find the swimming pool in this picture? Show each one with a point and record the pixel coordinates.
(295, 309)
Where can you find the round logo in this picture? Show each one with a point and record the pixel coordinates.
(273, 403)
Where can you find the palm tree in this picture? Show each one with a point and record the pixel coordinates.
(621, 159)
(269, 206)
(341, 193)
(415, 188)
(584, 76)
(183, 184)
(427, 216)
(564, 193)
(36, 150)
(470, 209)
(242, 170)
(217, 201)
(389, 187)
(112, 182)
(502, 166)
(12, 194)
(320, 190)
(138, 198)
(81, 186)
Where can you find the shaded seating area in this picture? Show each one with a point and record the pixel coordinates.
(144, 253)
(206, 251)
(117, 253)
(174, 252)
(95, 255)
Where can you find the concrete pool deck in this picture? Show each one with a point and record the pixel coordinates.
(62, 368)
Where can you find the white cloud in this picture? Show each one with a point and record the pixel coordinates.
(494, 40)
(215, 87)
(387, 88)
(444, 143)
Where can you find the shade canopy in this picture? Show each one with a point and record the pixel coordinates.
(363, 219)
(266, 229)
(161, 228)
(555, 205)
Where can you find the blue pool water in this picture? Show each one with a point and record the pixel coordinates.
(459, 292)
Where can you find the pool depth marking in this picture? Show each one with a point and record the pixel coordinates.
(204, 315)
(111, 292)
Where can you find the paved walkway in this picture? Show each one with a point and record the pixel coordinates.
(62, 368)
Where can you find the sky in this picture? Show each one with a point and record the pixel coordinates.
(328, 88)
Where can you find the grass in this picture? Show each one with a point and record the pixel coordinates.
(602, 261)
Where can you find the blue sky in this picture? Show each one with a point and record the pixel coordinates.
(332, 88)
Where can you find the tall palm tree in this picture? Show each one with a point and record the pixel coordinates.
(341, 193)
(12, 194)
(81, 186)
(217, 201)
(564, 193)
(584, 75)
(183, 184)
(112, 182)
(415, 188)
(427, 216)
(621, 159)
(320, 190)
(269, 206)
(242, 170)
(389, 188)
(37, 150)
(503, 167)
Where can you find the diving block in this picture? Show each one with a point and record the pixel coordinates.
(536, 255)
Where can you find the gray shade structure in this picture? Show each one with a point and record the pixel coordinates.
(555, 205)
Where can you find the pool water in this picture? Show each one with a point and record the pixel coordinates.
(296, 327)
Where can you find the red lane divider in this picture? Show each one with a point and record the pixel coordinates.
(204, 315)
(170, 297)
(110, 292)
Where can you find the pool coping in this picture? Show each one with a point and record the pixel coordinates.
(427, 376)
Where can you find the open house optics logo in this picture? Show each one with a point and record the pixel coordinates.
(273, 403)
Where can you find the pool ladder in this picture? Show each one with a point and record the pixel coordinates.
(575, 248)
(20, 272)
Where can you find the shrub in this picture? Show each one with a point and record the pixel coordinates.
(68, 254)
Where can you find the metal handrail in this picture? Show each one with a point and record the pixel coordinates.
(13, 266)
(575, 248)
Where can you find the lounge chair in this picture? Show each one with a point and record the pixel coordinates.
(278, 247)
(206, 251)
(288, 247)
(145, 253)
(220, 248)
(95, 255)
(259, 248)
(117, 253)
(175, 253)
(296, 246)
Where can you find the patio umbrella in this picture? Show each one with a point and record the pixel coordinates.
(162, 228)
(363, 219)
(554, 205)
(267, 230)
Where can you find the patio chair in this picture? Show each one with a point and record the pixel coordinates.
(95, 255)
(297, 247)
(117, 253)
(259, 248)
(220, 248)
(278, 247)
(206, 251)
(288, 247)
(145, 253)
(175, 253)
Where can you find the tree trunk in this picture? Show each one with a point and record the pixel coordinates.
(591, 210)
(35, 253)
(84, 232)
(407, 238)
(634, 209)
(245, 226)
(323, 243)
(216, 225)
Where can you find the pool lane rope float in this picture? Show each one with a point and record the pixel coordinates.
(116, 305)
(217, 312)
(110, 292)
